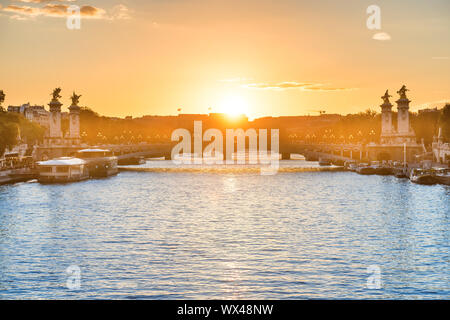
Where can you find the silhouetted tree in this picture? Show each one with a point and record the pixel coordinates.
(444, 122)
(425, 125)
(10, 124)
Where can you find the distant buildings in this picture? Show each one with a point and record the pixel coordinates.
(441, 150)
(51, 120)
(34, 113)
(429, 110)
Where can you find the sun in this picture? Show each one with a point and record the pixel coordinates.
(233, 105)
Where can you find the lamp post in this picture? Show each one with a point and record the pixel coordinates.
(371, 135)
(83, 136)
(359, 135)
(99, 137)
(332, 138)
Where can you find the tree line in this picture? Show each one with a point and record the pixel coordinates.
(365, 127)
(14, 126)
(97, 129)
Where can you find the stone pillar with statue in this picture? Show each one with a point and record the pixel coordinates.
(393, 141)
(55, 133)
(403, 112)
(386, 118)
(405, 133)
(74, 120)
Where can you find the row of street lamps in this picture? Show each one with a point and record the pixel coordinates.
(126, 137)
(329, 136)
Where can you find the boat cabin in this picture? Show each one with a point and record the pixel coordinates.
(100, 162)
(94, 153)
(64, 169)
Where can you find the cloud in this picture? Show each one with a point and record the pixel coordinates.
(381, 36)
(304, 86)
(319, 88)
(277, 86)
(233, 80)
(44, 1)
(19, 17)
(430, 104)
(61, 10)
(440, 58)
(118, 12)
(29, 11)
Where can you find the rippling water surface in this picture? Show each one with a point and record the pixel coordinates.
(231, 235)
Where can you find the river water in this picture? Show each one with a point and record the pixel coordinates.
(230, 234)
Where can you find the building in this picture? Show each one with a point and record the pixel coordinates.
(441, 150)
(429, 110)
(34, 113)
(54, 138)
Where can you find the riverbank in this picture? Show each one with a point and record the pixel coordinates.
(17, 175)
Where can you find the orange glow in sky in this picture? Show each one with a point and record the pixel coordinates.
(258, 57)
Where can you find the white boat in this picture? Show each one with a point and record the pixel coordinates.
(381, 169)
(350, 165)
(400, 172)
(365, 168)
(422, 176)
(64, 169)
(324, 162)
(100, 162)
(442, 176)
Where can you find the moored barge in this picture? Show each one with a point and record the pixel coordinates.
(64, 169)
(100, 162)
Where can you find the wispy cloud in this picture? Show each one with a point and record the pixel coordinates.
(18, 17)
(304, 86)
(55, 10)
(381, 36)
(235, 80)
(440, 58)
(43, 1)
(437, 103)
(118, 12)
(277, 86)
(29, 11)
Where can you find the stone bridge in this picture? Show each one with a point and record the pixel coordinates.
(121, 151)
(311, 151)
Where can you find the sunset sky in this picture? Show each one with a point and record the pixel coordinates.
(260, 57)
